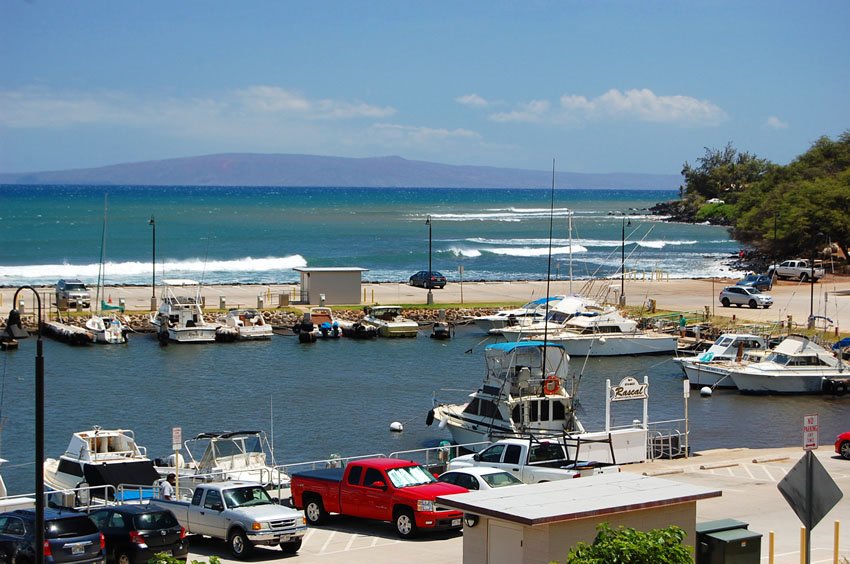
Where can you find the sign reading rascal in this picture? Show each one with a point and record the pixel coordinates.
(628, 389)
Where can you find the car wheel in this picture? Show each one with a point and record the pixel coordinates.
(405, 523)
(240, 546)
(291, 547)
(725, 302)
(844, 450)
(314, 511)
(753, 304)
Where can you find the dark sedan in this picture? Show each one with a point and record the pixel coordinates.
(69, 536)
(428, 279)
(134, 533)
(761, 282)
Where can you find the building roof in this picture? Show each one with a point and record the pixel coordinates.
(330, 269)
(569, 500)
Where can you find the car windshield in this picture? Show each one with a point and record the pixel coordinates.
(247, 497)
(75, 286)
(156, 520)
(500, 479)
(70, 527)
(410, 476)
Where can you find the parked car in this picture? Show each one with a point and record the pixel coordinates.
(428, 279)
(482, 478)
(134, 533)
(71, 293)
(761, 282)
(744, 295)
(69, 536)
(842, 445)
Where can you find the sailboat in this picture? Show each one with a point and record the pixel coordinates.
(107, 329)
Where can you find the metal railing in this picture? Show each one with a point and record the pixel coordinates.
(436, 457)
(664, 440)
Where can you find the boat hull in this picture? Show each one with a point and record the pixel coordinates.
(192, 335)
(768, 383)
(616, 345)
(701, 374)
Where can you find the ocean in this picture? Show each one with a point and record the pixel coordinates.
(257, 235)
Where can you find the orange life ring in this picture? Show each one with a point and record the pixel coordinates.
(552, 385)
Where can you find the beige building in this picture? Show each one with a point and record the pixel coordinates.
(541, 522)
(330, 285)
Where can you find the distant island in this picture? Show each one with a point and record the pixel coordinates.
(251, 169)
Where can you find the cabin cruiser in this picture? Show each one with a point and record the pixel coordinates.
(390, 321)
(100, 457)
(524, 391)
(711, 367)
(180, 317)
(524, 315)
(238, 455)
(608, 333)
(244, 325)
(559, 313)
(794, 366)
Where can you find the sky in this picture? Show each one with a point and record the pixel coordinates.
(598, 86)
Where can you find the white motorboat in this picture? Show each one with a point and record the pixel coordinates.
(180, 318)
(560, 312)
(244, 325)
(238, 455)
(101, 457)
(390, 321)
(12, 502)
(524, 391)
(794, 366)
(524, 315)
(711, 367)
(608, 333)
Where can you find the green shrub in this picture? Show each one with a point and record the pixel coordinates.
(162, 558)
(628, 546)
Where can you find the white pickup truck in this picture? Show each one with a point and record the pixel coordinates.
(242, 513)
(531, 461)
(800, 269)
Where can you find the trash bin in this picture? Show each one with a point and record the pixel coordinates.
(727, 541)
(283, 300)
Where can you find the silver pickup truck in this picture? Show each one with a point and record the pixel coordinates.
(242, 513)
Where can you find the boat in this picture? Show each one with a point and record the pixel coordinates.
(102, 459)
(244, 325)
(317, 323)
(219, 456)
(559, 313)
(12, 502)
(711, 367)
(359, 330)
(524, 391)
(795, 366)
(107, 329)
(390, 321)
(609, 333)
(526, 314)
(180, 318)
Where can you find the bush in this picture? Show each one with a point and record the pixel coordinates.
(162, 558)
(628, 546)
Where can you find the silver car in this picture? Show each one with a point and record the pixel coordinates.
(744, 295)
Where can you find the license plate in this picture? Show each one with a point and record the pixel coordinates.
(455, 522)
(77, 549)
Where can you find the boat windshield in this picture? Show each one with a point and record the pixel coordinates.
(778, 358)
(246, 497)
(410, 476)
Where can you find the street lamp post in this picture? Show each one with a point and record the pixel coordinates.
(14, 317)
(430, 299)
(811, 324)
(152, 223)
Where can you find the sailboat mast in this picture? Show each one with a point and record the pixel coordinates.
(570, 224)
(549, 267)
(100, 270)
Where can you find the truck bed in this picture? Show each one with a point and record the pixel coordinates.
(323, 474)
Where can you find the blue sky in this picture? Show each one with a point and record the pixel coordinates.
(600, 86)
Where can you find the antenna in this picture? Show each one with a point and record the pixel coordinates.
(549, 262)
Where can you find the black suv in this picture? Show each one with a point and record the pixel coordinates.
(134, 533)
(425, 279)
(69, 536)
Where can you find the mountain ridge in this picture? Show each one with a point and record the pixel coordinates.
(285, 169)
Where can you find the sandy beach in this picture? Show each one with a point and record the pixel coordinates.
(829, 297)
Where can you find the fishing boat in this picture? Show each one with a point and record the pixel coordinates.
(524, 315)
(244, 325)
(795, 366)
(558, 314)
(711, 368)
(524, 391)
(608, 333)
(180, 318)
(390, 322)
(106, 458)
(107, 329)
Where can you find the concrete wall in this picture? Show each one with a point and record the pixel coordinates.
(339, 287)
(545, 543)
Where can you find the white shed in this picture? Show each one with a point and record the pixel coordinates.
(330, 285)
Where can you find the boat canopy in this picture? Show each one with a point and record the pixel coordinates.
(510, 347)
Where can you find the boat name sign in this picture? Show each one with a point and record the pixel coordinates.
(629, 389)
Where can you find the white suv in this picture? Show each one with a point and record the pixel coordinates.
(744, 295)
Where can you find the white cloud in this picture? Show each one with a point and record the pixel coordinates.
(472, 100)
(636, 104)
(273, 99)
(409, 133)
(774, 122)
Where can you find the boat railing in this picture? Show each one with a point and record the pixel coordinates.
(436, 458)
(82, 498)
(334, 461)
(665, 440)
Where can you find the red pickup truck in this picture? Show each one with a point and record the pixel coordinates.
(386, 489)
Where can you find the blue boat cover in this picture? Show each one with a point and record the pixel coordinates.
(845, 342)
(508, 347)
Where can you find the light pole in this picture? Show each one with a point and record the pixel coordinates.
(430, 299)
(15, 319)
(623, 263)
(811, 324)
(152, 223)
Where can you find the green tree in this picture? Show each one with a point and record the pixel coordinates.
(628, 546)
(723, 173)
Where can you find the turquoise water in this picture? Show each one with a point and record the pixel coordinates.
(257, 235)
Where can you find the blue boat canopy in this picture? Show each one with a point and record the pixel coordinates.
(845, 342)
(508, 347)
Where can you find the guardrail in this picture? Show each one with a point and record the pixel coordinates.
(667, 442)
